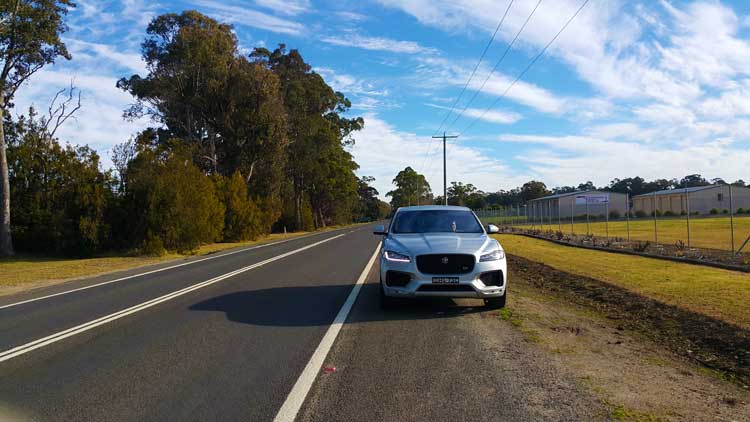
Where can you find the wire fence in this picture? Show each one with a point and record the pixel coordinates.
(708, 218)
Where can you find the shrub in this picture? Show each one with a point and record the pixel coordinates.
(669, 214)
(172, 200)
(683, 213)
(695, 213)
(658, 213)
(243, 219)
(740, 210)
(713, 211)
(614, 214)
(725, 211)
(640, 214)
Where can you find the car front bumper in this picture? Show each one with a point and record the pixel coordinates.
(421, 285)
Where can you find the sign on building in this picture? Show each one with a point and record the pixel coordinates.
(592, 199)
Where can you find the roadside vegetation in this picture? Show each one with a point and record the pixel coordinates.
(241, 145)
(717, 293)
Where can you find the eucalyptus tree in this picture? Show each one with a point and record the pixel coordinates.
(30, 33)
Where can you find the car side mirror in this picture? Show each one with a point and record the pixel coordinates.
(380, 230)
(491, 228)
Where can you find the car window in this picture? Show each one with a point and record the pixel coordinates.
(436, 221)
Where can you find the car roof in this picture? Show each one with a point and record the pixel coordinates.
(433, 208)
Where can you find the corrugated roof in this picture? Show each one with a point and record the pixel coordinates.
(678, 190)
(563, 195)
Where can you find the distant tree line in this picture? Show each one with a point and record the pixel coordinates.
(468, 195)
(240, 146)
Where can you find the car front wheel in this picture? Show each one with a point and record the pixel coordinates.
(496, 302)
(386, 302)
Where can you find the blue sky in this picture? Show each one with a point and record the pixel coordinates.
(653, 88)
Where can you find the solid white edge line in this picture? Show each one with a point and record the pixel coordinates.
(36, 344)
(156, 271)
(296, 397)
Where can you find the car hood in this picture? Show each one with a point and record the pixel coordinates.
(427, 243)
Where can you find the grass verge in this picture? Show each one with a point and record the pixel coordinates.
(711, 233)
(717, 293)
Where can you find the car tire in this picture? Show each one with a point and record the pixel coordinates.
(386, 302)
(496, 302)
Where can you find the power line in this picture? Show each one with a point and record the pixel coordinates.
(468, 81)
(489, 75)
(526, 69)
(473, 72)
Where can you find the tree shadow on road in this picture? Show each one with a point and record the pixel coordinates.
(301, 306)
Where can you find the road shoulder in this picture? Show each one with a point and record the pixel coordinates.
(637, 377)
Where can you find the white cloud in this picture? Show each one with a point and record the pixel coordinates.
(244, 16)
(95, 55)
(350, 39)
(287, 7)
(98, 123)
(492, 116)
(382, 151)
(569, 160)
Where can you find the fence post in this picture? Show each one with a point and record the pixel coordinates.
(653, 212)
(627, 214)
(588, 229)
(572, 214)
(606, 218)
(687, 206)
(731, 219)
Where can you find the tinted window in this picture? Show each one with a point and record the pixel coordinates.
(436, 221)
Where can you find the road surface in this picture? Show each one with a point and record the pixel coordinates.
(253, 334)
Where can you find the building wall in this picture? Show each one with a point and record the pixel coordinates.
(564, 206)
(702, 201)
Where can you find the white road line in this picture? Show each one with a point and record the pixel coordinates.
(296, 397)
(36, 344)
(154, 271)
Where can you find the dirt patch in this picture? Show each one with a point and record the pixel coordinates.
(714, 344)
(634, 375)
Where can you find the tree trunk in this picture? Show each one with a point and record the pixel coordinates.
(6, 241)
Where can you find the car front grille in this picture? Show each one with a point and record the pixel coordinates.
(445, 288)
(445, 263)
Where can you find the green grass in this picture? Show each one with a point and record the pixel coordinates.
(712, 233)
(26, 270)
(717, 293)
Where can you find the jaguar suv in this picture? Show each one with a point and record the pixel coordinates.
(441, 251)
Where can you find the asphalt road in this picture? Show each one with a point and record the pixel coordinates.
(228, 338)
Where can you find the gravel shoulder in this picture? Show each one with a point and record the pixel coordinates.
(633, 370)
(441, 361)
(551, 355)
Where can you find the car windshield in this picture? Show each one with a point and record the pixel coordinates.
(436, 221)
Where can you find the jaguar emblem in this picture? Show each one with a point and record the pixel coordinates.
(444, 260)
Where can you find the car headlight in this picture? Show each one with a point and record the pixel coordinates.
(396, 257)
(492, 256)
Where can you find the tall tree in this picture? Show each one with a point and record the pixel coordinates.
(411, 189)
(533, 190)
(320, 169)
(693, 180)
(227, 109)
(29, 40)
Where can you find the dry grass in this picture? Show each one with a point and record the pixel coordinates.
(30, 271)
(720, 294)
(713, 233)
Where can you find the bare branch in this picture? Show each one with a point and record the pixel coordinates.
(60, 112)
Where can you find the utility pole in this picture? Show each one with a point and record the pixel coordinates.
(445, 177)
